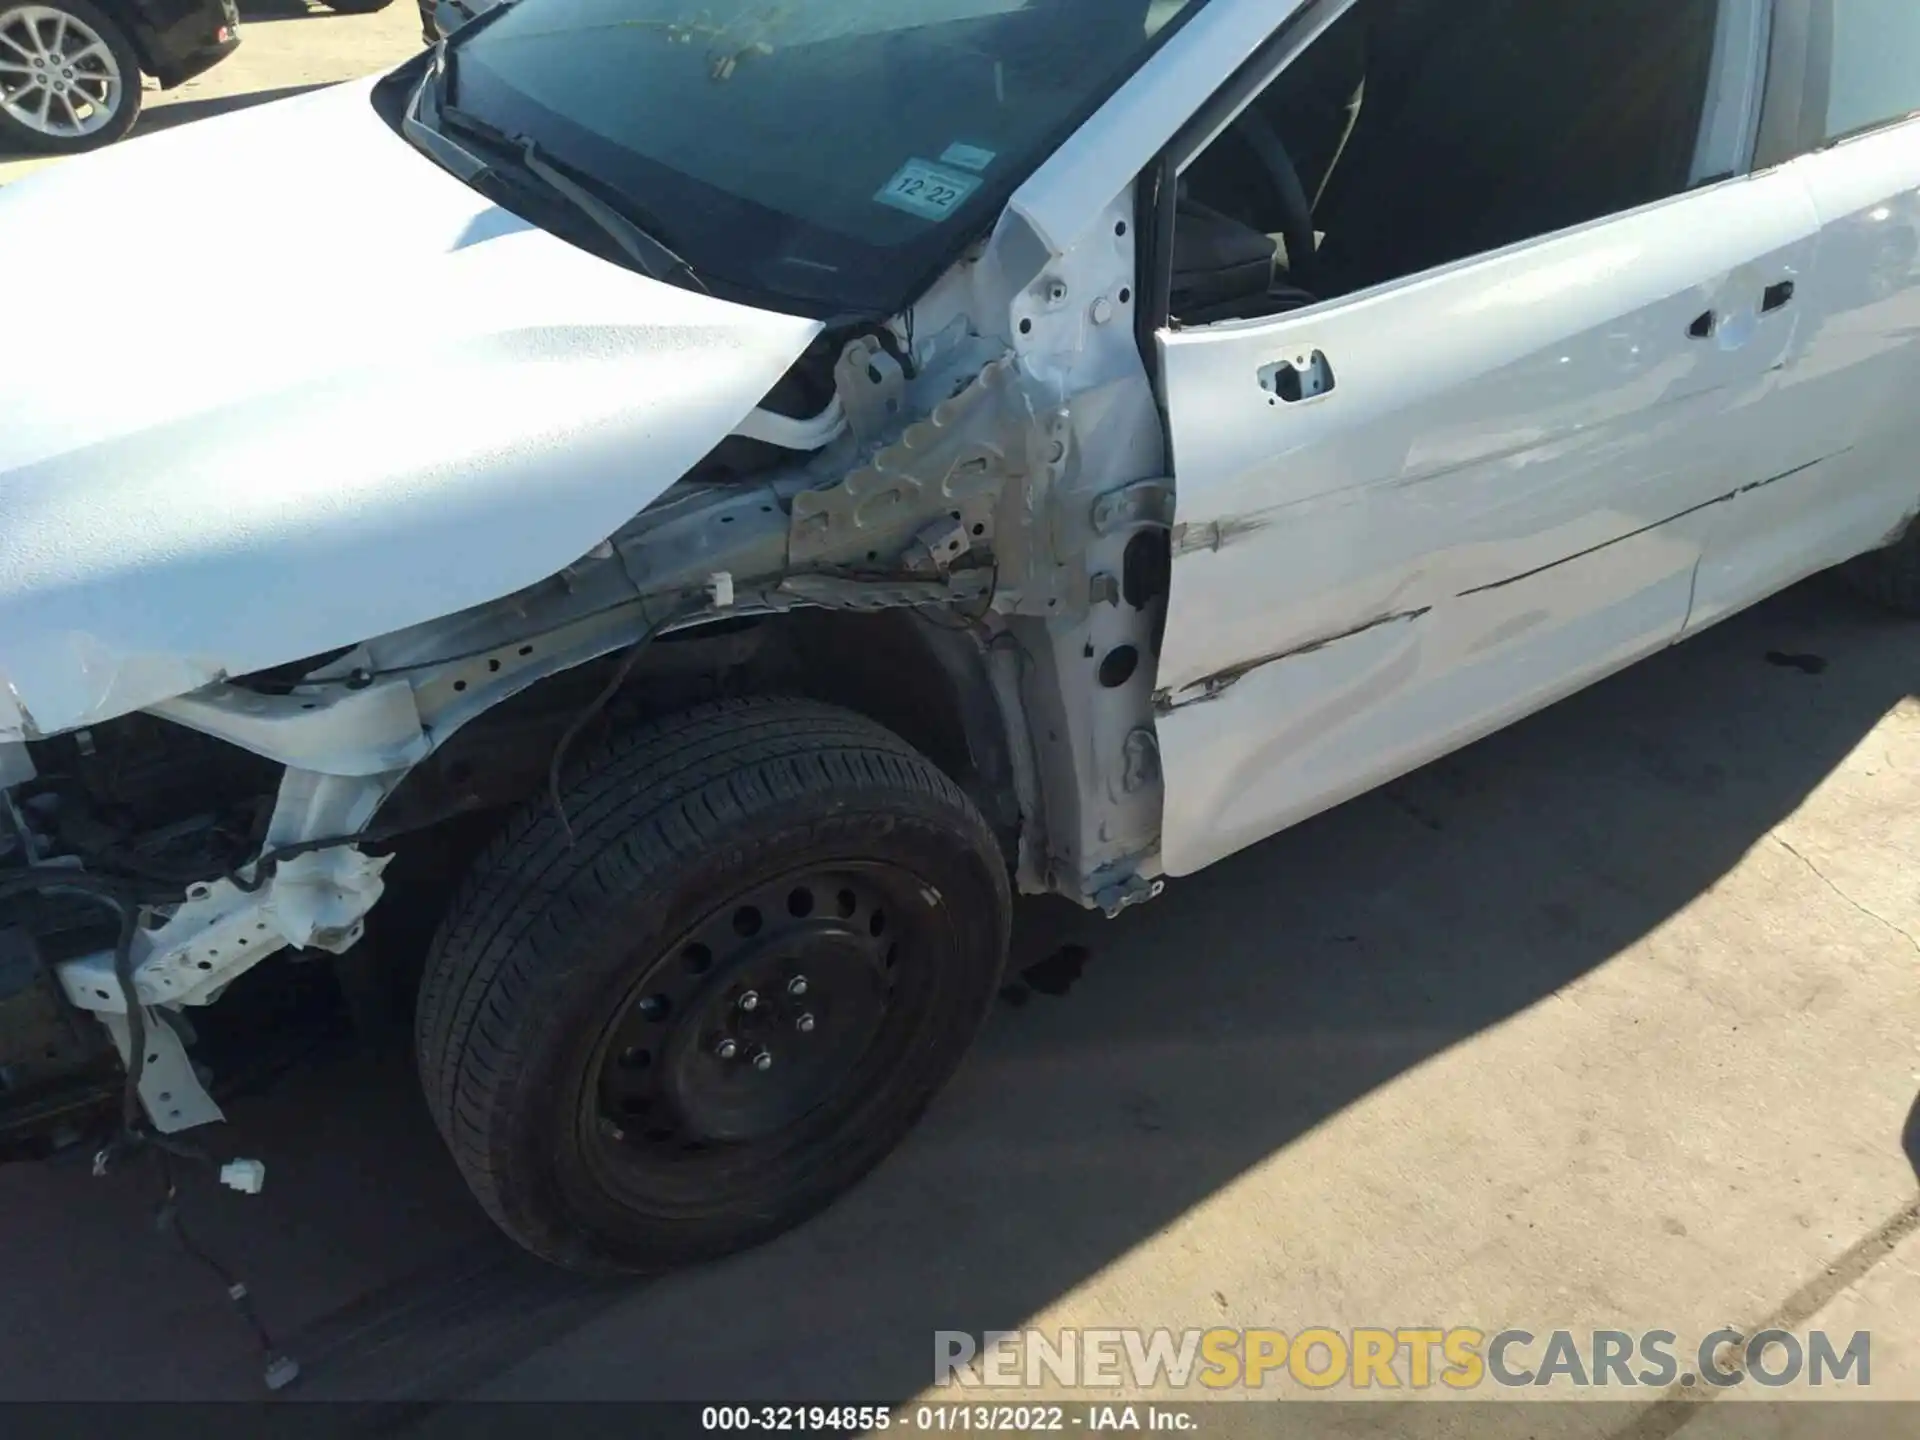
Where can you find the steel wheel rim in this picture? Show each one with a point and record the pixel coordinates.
(650, 1123)
(58, 76)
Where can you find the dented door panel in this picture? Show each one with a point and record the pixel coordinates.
(1286, 741)
(1503, 494)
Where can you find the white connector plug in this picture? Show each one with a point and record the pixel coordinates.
(246, 1176)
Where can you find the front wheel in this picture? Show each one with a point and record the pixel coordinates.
(770, 943)
(69, 77)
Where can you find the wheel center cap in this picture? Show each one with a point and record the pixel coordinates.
(778, 1029)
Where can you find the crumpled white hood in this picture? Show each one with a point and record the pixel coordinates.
(274, 383)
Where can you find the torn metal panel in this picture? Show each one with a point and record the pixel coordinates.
(1124, 891)
(968, 479)
(1211, 687)
(1217, 534)
(316, 900)
(1143, 502)
(958, 458)
(170, 1087)
(313, 900)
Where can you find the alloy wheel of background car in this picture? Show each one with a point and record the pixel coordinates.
(69, 79)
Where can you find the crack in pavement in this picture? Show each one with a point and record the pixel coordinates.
(1681, 1405)
(1820, 875)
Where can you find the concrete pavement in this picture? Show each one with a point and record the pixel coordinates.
(1612, 1021)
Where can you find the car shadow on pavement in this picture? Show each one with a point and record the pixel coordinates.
(1910, 1137)
(181, 112)
(1133, 1069)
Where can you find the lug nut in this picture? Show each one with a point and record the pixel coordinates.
(750, 1000)
(763, 1060)
(727, 1048)
(797, 985)
(804, 1024)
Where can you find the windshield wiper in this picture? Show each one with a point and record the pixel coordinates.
(653, 255)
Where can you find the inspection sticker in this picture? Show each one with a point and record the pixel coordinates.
(927, 190)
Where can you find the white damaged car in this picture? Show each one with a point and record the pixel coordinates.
(759, 484)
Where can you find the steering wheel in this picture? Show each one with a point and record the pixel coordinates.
(1303, 258)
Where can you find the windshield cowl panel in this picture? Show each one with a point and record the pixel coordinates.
(828, 156)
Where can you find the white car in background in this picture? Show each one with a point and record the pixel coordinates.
(756, 484)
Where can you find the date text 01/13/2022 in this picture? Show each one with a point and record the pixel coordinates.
(940, 1419)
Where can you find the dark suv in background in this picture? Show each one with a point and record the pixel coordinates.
(70, 69)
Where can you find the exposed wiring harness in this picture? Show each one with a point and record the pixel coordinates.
(621, 674)
(145, 886)
(149, 887)
(133, 1136)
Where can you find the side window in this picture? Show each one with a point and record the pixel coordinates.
(1874, 72)
(1413, 133)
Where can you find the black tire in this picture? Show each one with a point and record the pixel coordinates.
(356, 7)
(18, 135)
(1890, 577)
(719, 851)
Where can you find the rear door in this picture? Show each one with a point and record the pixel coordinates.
(1410, 515)
(1841, 450)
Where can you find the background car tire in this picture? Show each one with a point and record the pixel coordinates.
(356, 7)
(91, 36)
(819, 839)
(1890, 577)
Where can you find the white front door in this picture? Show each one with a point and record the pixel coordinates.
(1502, 496)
